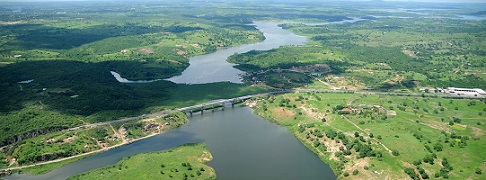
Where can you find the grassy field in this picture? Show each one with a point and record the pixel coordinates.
(380, 136)
(184, 162)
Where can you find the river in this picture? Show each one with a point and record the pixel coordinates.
(243, 145)
(213, 67)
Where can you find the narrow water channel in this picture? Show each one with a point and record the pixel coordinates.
(244, 146)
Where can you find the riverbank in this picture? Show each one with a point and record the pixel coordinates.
(385, 137)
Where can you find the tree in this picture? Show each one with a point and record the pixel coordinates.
(361, 138)
(395, 153)
(429, 159)
(356, 134)
(371, 135)
(411, 173)
(331, 134)
(355, 172)
(438, 147)
(478, 171)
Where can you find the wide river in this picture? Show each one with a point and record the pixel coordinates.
(244, 145)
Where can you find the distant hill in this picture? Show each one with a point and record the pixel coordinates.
(479, 13)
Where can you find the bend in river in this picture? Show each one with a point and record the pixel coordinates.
(244, 145)
(213, 67)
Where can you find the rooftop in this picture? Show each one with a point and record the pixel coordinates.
(480, 91)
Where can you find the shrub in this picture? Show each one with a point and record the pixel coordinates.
(411, 173)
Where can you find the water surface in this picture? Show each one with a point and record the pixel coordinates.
(243, 145)
(213, 67)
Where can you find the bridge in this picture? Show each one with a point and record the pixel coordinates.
(233, 101)
(189, 109)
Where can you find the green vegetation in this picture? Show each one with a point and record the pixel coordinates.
(383, 54)
(84, 140)
(69, 49)
(382, 136)
(69, 56)
(266, 66)
(184, 162)
(66, 94)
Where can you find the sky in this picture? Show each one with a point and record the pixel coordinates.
(439, 1)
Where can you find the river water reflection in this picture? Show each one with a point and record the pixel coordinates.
(244, 146)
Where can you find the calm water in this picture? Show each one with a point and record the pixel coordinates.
(213, 67)
(244, 146)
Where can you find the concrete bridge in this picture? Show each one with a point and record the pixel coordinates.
(189, 109)
(213, 104)
(223, 102)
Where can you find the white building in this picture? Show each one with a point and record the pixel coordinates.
(466, 91)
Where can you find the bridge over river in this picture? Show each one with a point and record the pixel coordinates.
(232, 101)
(189, 109)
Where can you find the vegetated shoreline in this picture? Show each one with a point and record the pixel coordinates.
(387, 156)
(11, 170)
(185, 159)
